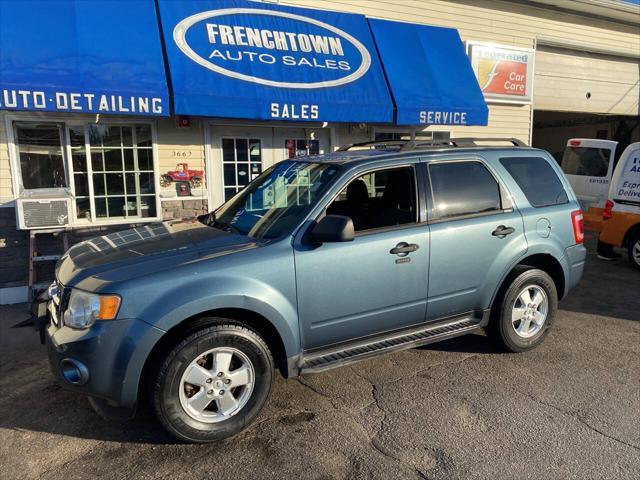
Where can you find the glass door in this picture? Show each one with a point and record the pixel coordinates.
(239, 155)
(241, 163)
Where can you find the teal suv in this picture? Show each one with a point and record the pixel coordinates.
(319, 262)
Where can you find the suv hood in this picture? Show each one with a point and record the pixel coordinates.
(143, 250)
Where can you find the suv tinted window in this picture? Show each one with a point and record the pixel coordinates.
(379, 199)
(537, 180)
(585, 161)
(463, 188)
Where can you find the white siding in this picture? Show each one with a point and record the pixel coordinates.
(492, 21)
(180, 145)
(6, 190)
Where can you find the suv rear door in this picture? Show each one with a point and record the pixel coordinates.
(476, 233)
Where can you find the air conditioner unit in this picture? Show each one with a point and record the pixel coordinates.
(38, 212)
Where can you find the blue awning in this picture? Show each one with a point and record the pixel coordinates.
(82, 56)
(429, 74)
(239, 59)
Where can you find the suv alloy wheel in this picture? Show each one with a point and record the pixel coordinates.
(521, 318)
(213, 383)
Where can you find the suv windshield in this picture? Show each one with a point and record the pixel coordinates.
(275, 202)
(586, 161)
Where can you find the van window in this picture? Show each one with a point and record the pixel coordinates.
(463, 188)
(537, 180)
(585, 161)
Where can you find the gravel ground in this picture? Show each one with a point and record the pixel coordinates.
(458, 409)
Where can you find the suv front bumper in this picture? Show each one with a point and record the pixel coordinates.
(104, 361)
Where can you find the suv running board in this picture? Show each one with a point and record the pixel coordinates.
(318, 361)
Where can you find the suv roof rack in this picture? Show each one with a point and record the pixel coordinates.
(376, 144)
(409, 145)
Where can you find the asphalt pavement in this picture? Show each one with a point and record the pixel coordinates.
(457, 409)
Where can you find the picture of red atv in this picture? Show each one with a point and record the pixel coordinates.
(182, 174)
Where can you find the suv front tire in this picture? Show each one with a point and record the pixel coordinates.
(213, 383)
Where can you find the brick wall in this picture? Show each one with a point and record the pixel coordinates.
(177, 209)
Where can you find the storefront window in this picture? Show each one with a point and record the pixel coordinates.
(113, 178)
(389, 135)
(297, 147)
(41, 155)
(123, 178)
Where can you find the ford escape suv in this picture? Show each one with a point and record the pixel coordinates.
(321, 261)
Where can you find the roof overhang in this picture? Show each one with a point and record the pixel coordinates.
(613, 10)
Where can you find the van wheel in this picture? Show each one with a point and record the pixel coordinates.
(522, 318)
(213, 383)
(634, 250)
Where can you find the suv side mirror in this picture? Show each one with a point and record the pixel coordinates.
(333, 228)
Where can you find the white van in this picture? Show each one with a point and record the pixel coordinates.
(621, 225)
(588, 164)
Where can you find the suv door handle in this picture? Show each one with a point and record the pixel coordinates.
(403, 249)
(503, 231)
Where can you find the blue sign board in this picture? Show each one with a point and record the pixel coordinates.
(429, 74)
(82, 56)
(239, 59)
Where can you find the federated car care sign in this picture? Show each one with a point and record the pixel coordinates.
(251, 60)
(504, 73)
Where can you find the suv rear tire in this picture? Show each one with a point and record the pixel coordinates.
(213, 383)
(522, 317)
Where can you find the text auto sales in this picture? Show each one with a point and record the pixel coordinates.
(80, 102)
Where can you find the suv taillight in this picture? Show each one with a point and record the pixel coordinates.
(578, 225)
(607, 213)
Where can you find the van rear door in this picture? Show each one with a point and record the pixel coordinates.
(588, 165)
(625, 185)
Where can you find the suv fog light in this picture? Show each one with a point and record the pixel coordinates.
(74, 372)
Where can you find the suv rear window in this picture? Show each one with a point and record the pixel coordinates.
(537, 180)
(463, 188)
(585, 161)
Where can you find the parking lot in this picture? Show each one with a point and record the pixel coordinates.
(458, 409)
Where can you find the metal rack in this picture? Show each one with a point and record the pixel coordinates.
(34, 258)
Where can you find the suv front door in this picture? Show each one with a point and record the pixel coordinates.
(475, 236)
(349, 290)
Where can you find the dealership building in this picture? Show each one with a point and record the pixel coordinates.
(120, 113)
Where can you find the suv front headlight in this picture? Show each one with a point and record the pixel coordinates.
(85, 308)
